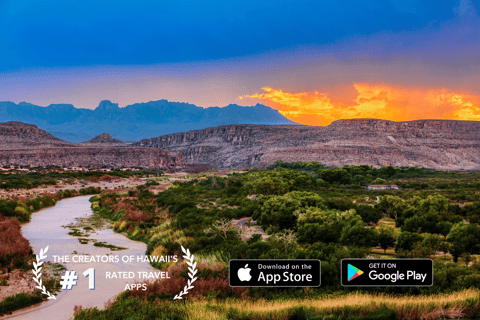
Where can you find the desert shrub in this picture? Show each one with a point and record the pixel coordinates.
(13, 246)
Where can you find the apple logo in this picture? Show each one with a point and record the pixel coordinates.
(244, 273)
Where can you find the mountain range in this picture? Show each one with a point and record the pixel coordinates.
(437, 144)
(134, 122)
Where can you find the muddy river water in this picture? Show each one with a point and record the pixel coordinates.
(45, 229)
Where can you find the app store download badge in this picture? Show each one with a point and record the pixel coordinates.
(274, 273)
(387, 272)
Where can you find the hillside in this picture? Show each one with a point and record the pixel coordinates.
(26, 145)
(14, 135)
(438, 144)
(134, 122)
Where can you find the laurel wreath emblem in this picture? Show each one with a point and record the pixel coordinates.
(36, 271)
(192, 267)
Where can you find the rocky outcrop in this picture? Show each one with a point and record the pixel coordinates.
(27, 145)
(438, 144)
(119, 157)
(105, 138)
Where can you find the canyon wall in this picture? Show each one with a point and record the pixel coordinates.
(438, 144)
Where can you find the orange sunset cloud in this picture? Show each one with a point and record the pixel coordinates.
(381, 101)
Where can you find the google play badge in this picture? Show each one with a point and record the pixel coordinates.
(353, 272)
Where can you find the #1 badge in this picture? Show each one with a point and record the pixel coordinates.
(386, 272)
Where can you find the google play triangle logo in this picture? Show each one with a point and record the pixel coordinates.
(353, 272)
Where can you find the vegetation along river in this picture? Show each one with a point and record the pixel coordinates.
(45, 229)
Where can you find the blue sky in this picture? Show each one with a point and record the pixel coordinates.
(211, 52)
(84, 33)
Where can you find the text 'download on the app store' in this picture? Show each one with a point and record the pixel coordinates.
(274, 273)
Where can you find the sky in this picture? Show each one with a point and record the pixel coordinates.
(314, 61)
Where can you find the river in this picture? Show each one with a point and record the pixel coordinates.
(45, 229)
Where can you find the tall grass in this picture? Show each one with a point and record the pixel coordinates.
(355, 306)
(458, 304)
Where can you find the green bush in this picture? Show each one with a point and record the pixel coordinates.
(18, 301)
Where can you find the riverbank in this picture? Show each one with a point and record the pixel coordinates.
(20, 204)
(46, 229)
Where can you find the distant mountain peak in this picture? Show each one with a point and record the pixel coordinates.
(107, 105)
(62, 106)
(104, 138)
(25, 104)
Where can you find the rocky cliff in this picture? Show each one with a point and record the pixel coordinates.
(118, 157)
(27, 145)
(438, 144)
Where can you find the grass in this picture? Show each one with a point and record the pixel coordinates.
(83, 240)
(406, 307)
(110, 246)
(77, 233)
(20, 300)
(354, 306)
(90, 223)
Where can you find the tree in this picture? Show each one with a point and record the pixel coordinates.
(244, 233)
(267, 186)
(419, 251)
(444, 227)
(406, 241)
(287, 237)
(325, 225)
(368, 213)
(340, 176)
(463, 238)
(434, 243)
(414, 224)
(386, 241)
(280, 211)
(388, 171)
(359, 236)
(380, 181)
(467, 257)
(223, 226)
(392, 205)
(322, 183)
(386, 237)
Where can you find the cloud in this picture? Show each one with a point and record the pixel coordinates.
(383, 101)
